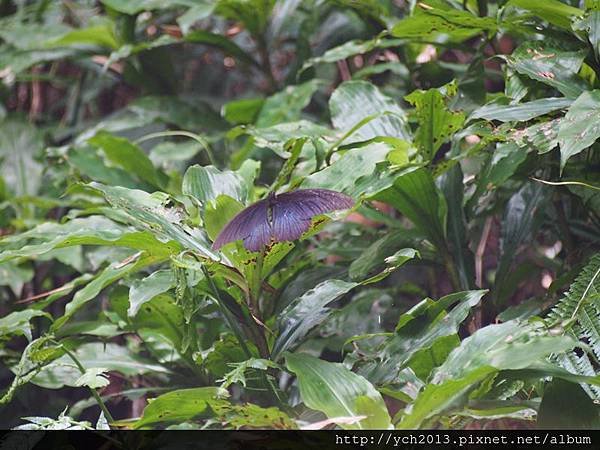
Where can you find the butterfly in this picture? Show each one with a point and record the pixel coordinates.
(280, 217)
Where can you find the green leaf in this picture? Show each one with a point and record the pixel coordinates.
(132, 7)
(452, 185)
(550, 65)
(338, 392)
(221, 42)
(375, 254)
(238, 373)
(112, 273)
(416, 196)
(254, 14)
(286, 105)
(129, 157)
(207, 183)
(438, 398)
(351, 48)
(93, 378)
(18, 323)
(181, 405)
(251, 416)
(554, 11)
(393, 262)
(565, 406)
(14, 276)
(580, 127)
(242, 111)
(93, 230)
(306, 312)
(503, 112)
(149, 211)
(431, 22)
(521, 219)
(419, 333)
(344, 173)
(436, 122)
(218, 214)
(62, 372)
(144, 290)
(508, 346)
(20, 143)
(361, 103)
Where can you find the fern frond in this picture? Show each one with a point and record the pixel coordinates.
(579, 313)
(584, 290)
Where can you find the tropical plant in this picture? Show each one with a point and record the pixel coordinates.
(461, 289)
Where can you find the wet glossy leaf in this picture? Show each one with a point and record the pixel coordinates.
(580, 127)
(338, 392)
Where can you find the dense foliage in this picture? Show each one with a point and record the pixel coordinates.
(462, 290)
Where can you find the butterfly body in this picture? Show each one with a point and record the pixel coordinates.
(280, 217)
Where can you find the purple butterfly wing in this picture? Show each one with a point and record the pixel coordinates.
(292, 212)
(250, 225)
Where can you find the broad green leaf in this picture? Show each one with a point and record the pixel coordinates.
(219, 41)
(91, 164)
(207, 183)
(149, 211)
(182, 405)
(522, 217)
(218, 214)
(452, 185)
(132, 7)
(424, 327)
(238, 373)
(199, 10)
(20, 144)
(242, 111)
(565, 405)
(393, 262)
(553, 66)
(508, 346)
(306, 312)
(101, 34)
(146, 289)
(436, 399)
(344, 172)
(277, 136)
(351, 48)
(338, 392)
(505, 112)
(416, 196)
(431, 22)
(436, 122)
(14, 275)
(63, 372)
(590, 23)
(93, 230)
(251, 416)
(163, 316)
(254, 14)
(554, 11)
(580, 127)
(18, 323)
(286, 105)
(375, 254)
(94, 378)
(129, 157)
(112, 273)
(361, 104)
(511, 345)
